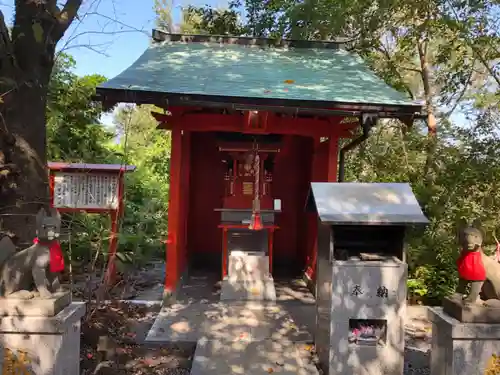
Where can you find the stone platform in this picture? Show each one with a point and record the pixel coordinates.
(248, 290)
(220, 357)
(42, 345)
(460, 348)
(247, 337)
(248, 278)
(253, 320)
(483, 312)
(36, 306)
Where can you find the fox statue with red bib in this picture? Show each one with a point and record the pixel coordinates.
(33, 272)
(475, 267)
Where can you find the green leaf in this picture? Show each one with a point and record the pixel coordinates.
(38, 32)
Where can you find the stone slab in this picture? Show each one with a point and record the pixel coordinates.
(248, 290)
(461, 330)
(218, 357)
(42, 345)
(253, 321)
(35, 306)
(54, 324)
(460, 348)
(472, 313)
(244, 265)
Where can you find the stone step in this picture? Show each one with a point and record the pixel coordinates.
(242, 356)
(248, 290)
(254, 320)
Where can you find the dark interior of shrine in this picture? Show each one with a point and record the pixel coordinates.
(288, 162)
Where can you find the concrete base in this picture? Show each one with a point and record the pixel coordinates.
(463, 348)
(36, 306)
(352, 294)
(42, 345)
(231, 321)
(248, 290)
(472, 313)
(221, 357)
(248, 265)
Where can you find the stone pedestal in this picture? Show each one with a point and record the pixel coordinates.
(463, 348)
(360, 310)
(35, 306)
(248, 277)
(484, 312)
(42, 345)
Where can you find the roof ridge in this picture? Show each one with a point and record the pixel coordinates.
(162, 36)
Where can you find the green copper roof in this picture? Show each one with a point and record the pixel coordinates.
(250, 71)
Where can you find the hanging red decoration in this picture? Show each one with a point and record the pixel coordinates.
(256, 219)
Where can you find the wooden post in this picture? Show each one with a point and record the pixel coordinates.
(224, 253)
(185, 197)
(333, 154)
(115, 227)
(174, 210)
(270, 239)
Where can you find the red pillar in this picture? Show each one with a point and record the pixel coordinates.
(174, 240)
(184, 197)
(333, 153)
(324, 169)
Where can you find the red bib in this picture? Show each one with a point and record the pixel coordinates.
(470, 266)
(56, 255)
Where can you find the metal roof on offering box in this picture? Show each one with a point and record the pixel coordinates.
(366, 203)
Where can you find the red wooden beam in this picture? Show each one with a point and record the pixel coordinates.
(264, 123)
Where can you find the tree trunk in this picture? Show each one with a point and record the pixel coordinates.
(24, 117)
(26, 62)
(431, 118)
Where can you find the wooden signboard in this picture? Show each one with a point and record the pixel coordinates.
(95, 188)
(86, 190)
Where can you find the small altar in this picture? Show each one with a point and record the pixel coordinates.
(248, 220)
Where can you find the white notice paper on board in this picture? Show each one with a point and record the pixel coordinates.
(86, 190)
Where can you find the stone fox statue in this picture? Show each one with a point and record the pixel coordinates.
(475, 267)
(33, 272)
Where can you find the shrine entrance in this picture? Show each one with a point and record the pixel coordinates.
(238, 172)
(252, 123)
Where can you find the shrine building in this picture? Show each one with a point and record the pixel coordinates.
(253, 122)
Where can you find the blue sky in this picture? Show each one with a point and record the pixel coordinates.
(118, 31)
(111, 34)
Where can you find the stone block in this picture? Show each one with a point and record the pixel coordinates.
(472, 313)
(35, 306)
(227, 357)
(463, 348)
(42, 345)
(355, 297)
(250, 266)
(247, 290)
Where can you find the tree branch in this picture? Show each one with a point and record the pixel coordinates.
(66, 17)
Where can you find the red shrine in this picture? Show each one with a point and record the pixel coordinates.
(253, 122)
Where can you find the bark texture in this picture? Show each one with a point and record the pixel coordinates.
(26, 60)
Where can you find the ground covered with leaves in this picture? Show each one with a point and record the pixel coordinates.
(112, 342)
